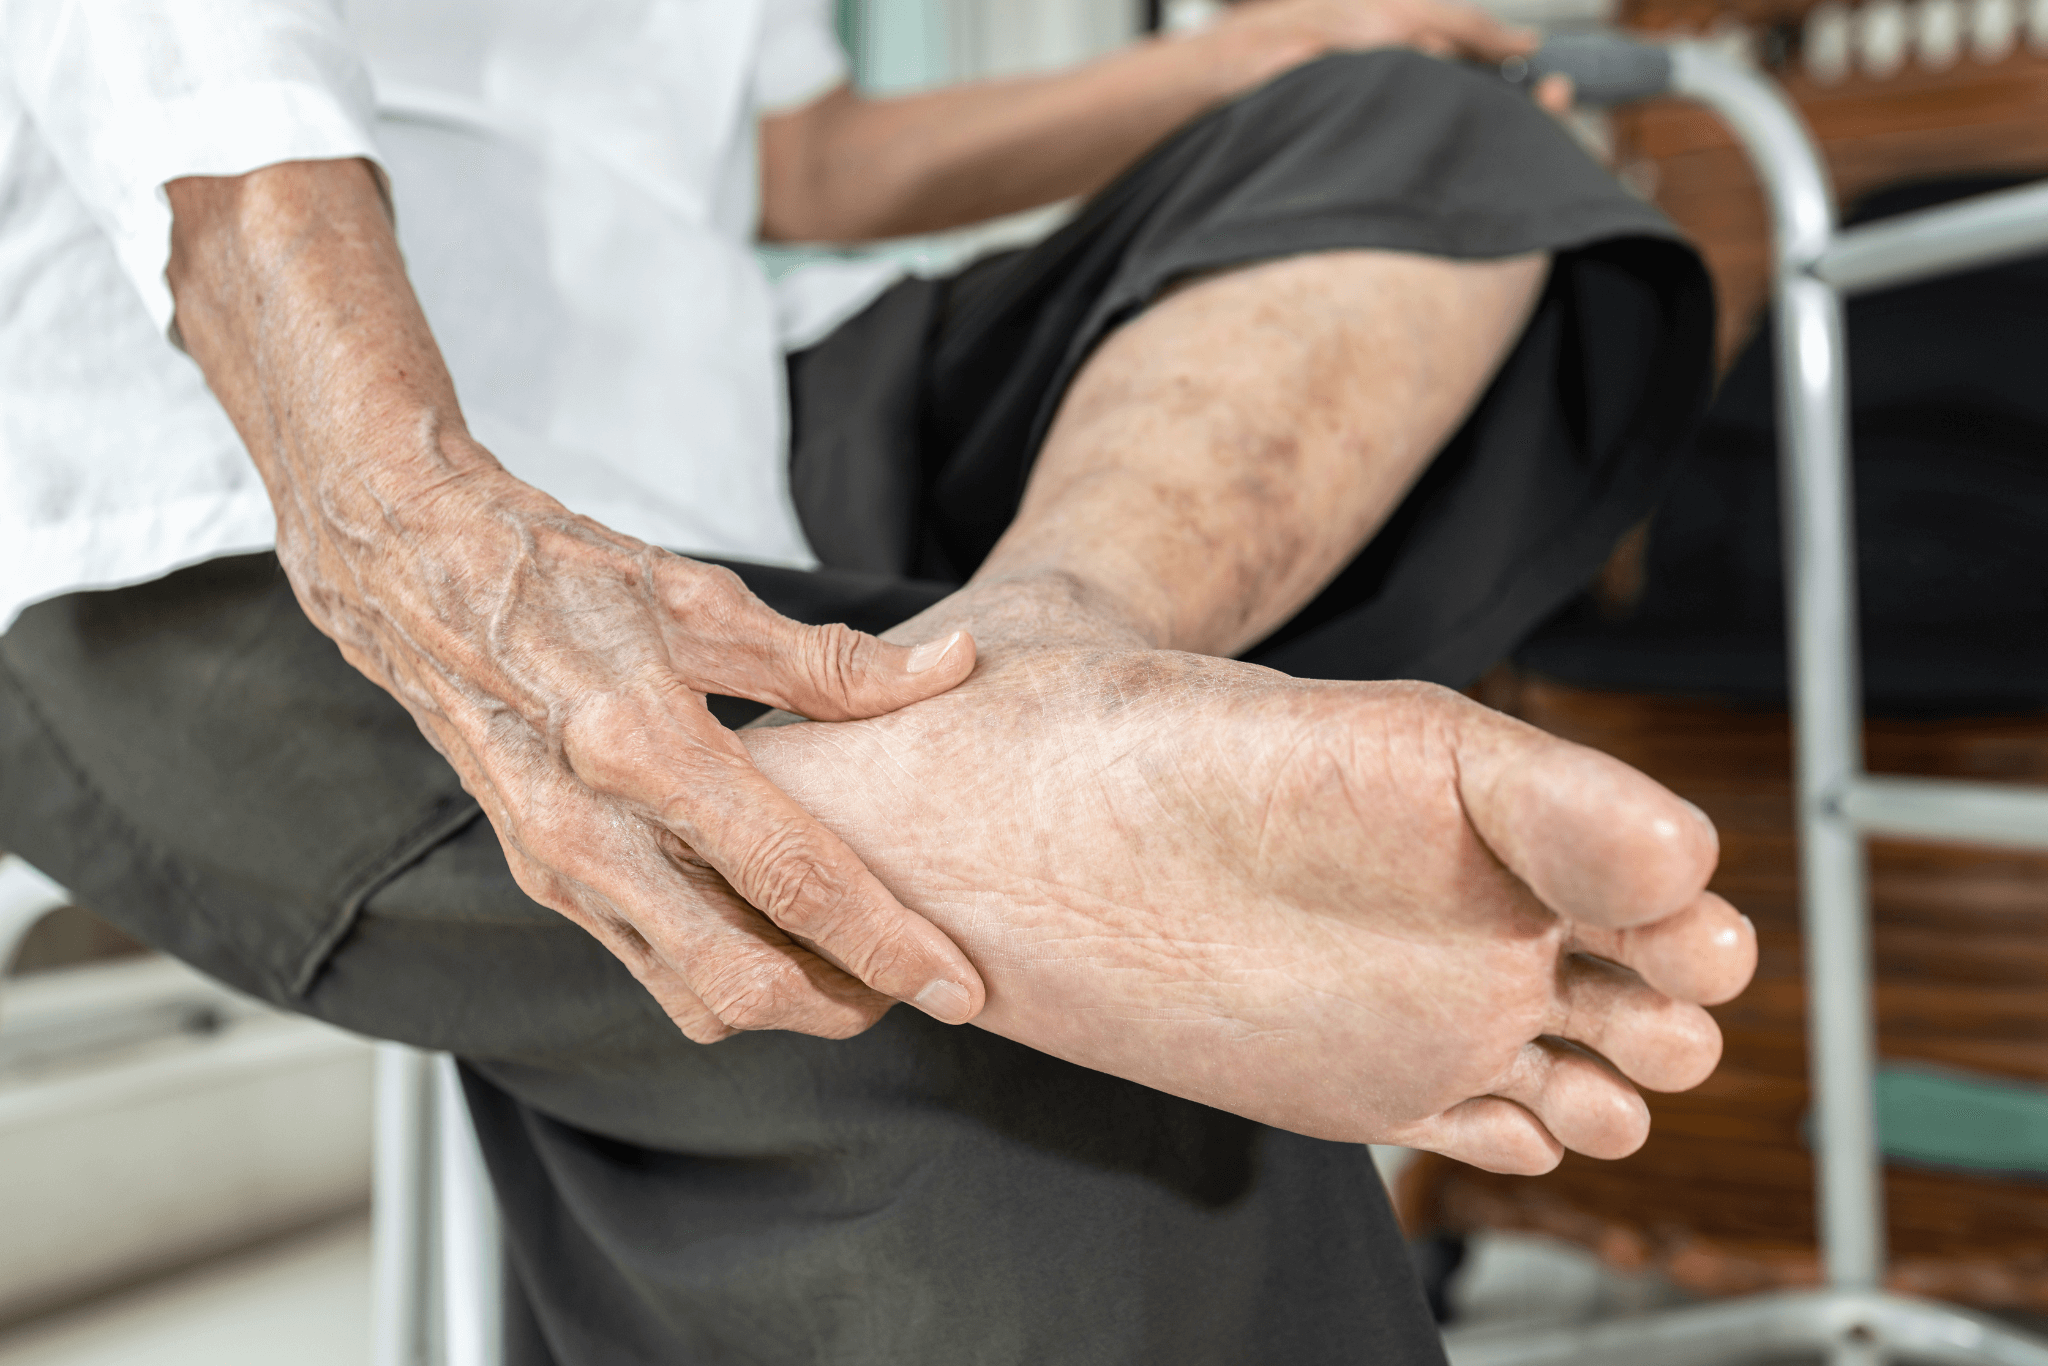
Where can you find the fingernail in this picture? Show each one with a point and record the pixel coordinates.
(924, 657)
(1699, 815)
(947, 1002)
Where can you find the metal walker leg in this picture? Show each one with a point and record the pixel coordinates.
(1852, 1321)
(437, 1264)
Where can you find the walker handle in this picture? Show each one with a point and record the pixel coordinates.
(1605, 68)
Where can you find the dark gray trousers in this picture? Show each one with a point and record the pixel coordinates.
(201, 767)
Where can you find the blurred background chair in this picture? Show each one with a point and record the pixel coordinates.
(258, 1123)
(437, 1268)
(26, 896)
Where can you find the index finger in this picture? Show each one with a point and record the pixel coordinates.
(806, 880)
(658, 749)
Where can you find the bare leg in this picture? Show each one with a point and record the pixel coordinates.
(1224, 455)
(1365, 911)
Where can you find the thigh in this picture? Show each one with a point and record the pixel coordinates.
(199, 765)
(915, 1195)
(204, 769)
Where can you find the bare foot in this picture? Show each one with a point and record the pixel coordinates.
(1367, 912)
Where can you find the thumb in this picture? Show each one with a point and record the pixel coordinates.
(835, 673)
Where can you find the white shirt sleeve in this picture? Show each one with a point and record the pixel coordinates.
(800, 56)
(130, 94)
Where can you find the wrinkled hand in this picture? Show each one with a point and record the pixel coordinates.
(562, 668)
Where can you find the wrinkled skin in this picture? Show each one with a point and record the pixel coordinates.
(560, 666)
(1367, 912)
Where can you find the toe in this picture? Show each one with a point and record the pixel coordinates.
(1653, 1040)
(1582, 1102)
(1597, 841)
(1492, 1134)
(1704, 953)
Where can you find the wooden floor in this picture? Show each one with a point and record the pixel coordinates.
(1720, 1200)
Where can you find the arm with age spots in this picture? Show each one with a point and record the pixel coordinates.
(850, 168)
(561, 667)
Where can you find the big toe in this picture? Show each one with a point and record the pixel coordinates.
(1595, 840)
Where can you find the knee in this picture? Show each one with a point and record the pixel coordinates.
(1342, 73)
(1377, 92)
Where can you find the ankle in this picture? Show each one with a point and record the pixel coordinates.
(1025, 611)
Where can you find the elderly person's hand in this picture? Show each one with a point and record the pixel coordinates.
(1277, 34)
(562, 668)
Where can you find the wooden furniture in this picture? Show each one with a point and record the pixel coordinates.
(1968, 115)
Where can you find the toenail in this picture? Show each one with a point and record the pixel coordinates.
(1699, 815)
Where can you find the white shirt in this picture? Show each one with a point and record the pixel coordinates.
(576, 190)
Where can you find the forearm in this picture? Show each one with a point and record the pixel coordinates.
(872, 168)
(293, 299)
(848, 169)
